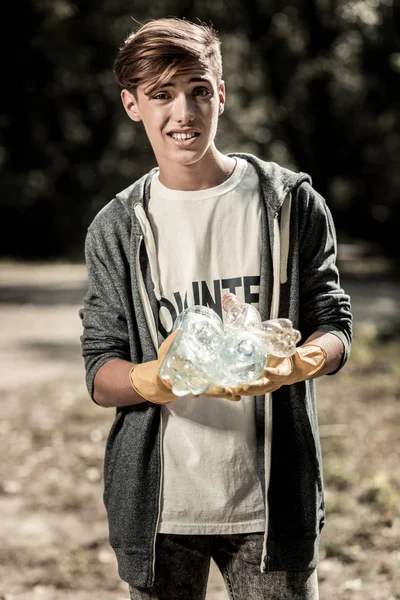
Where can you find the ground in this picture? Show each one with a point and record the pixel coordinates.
(53, 538)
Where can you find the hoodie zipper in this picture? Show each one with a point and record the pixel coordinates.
(153, 565)
(280, 254)
(153, 331)
(276, 259)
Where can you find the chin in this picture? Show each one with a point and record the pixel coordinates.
(186, 159)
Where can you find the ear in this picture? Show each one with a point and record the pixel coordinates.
(131, 105)
(221, 97)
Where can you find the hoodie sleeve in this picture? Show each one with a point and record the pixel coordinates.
(324, 306)
(105, 331)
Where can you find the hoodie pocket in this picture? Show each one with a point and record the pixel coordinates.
(295, 492)
(312, 441)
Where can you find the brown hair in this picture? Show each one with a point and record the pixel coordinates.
(155, 52)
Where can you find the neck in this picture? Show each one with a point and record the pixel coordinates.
(211, 170)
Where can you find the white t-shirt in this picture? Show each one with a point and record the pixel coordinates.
(208, 243)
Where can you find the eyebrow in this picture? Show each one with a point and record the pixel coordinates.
(191, 80)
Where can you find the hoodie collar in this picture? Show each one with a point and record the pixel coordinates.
(137, 193)
(276, 181)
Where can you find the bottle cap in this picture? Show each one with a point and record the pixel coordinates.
(227, 300)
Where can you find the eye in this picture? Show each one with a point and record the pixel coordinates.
(161, 96)
(201, 91)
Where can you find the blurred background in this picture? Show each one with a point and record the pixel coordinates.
(311, 84)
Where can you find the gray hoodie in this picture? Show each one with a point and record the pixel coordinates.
(299, 280)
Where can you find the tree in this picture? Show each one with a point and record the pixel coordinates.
(311, 84)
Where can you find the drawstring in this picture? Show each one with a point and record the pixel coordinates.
(276, 269)
(150, 247)
(280, 254)
(152, 254)
(285, 236)
(145, 299)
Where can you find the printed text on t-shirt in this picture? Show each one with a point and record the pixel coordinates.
(200, 294)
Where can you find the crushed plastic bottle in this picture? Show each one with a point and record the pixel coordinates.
(248, 341)
(190, 363)
(239, 315)
(279, 337)
(208, 351)
(241, 357)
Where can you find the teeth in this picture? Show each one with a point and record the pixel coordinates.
(182, 136)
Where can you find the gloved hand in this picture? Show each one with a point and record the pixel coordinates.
(307, 362)
(222, 391)
(145, 378)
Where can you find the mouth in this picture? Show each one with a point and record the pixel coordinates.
(184, 138)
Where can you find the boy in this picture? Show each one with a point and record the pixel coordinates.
(234, 474)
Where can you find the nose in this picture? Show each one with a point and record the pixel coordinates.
(184, 109)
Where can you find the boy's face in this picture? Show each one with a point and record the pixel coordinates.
(180, 117)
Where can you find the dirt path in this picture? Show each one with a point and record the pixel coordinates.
(53, 538)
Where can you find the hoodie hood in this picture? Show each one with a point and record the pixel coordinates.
(276, 181)
(137, 193)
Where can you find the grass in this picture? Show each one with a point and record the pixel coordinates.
(359, 412)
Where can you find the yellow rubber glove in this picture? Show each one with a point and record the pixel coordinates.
(222, 391)
(145, 378)
(307, 362)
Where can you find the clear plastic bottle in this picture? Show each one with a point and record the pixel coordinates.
(239, 314)
(208, 352)
(241, 357)
(279, 337)
(191, 361)
(248, 342)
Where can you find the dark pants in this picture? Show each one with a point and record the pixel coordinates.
(183, 563)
